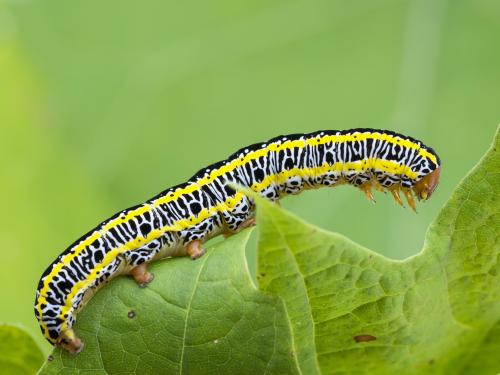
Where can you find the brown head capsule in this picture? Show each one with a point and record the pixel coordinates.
(426, 185)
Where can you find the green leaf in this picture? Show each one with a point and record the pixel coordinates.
(19, 354)
(196, 317)
(353, 311)
(486, 355)
(343, 308)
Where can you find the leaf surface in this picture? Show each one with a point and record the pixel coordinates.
(196, 317)
(353, 311)
(343, 309)
(19, 354)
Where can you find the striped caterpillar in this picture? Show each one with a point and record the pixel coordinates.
(177, 221)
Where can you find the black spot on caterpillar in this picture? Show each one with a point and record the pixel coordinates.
(179, 219)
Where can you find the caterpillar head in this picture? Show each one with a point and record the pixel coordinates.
(424, 187)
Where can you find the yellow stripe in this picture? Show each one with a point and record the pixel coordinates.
(360, 166)
(243, 161)
(137, 242)
(379, 164)
(273, 147)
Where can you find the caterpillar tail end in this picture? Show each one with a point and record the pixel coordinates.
(141, 275)
(70, 342)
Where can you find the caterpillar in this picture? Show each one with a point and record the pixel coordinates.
(177, 221)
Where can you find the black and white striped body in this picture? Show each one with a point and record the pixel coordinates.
(207, 205)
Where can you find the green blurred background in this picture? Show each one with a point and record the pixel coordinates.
(105, 103)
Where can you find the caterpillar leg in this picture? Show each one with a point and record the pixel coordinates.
(395, 193)
(250, 222)
(409, 198)
(141, 275)
(366, 188)
(70, 342)
(378, 186)
(194, 249)
(408, 195)
(139, 260)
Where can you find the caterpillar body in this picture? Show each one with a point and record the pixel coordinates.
(177, 221)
